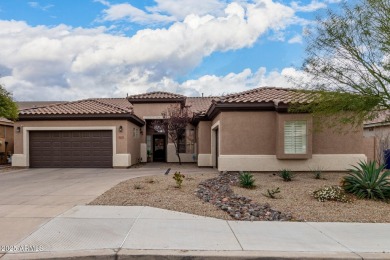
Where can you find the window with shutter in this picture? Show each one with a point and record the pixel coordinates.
(295, 137)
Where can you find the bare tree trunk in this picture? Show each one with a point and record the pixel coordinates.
(177, 152)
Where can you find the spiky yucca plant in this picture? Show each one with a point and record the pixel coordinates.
(367, 181)
(247, 180)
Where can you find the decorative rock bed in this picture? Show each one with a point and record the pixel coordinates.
(217, 191)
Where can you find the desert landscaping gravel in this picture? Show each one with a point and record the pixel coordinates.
(295, 197)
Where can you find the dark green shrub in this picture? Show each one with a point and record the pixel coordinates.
(367, 181)
(286, 175)
(335, 193)
(179, 178)
(247, 180)
(317, 173)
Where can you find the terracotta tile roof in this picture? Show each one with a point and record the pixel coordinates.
(5, 121)
(83, 107)
(30, 104)
(266, 94)
(199, 105)
(383, 118)
(156, 95)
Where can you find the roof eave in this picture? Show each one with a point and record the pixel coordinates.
(130, 117)
(216, 108)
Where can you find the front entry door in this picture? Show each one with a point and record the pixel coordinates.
(159, 148)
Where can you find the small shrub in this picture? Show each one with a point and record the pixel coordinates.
(367, 182)
(137, 186)
(271, 193)
(286, 175)
(247, 180)
(317, 173)
(179, 178)
(327, 193)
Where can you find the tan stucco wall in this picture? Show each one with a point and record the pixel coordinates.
(204, 137)
(248, 133)
(333, 141)
(369, 148)
(251, 140)
(133, 143)
(121, 138)
(150, 109)
(6, 134)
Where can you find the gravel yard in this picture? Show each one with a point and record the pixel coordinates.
(295, 197)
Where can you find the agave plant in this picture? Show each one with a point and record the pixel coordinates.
(367, 181)
(247, 180)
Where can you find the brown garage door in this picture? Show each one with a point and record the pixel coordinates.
(71, 149)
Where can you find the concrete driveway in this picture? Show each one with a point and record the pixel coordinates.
(29, 198)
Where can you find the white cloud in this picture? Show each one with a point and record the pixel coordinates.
(103, 2)
(296, 39)
(68, 63)
(314, 5)
(41, 7)
(163, 11)
(129, 12)
(180, 9)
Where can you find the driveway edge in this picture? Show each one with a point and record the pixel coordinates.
(127, 254)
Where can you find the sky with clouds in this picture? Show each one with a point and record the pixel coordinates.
(69, 50)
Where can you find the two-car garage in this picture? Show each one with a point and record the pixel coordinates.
(71, 149)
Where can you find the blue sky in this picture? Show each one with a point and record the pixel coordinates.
(68, 50)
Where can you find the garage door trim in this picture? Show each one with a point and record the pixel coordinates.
(26, 137)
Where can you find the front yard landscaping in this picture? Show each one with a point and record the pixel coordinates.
(221, 196)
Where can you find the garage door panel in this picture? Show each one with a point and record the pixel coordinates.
(71, 148)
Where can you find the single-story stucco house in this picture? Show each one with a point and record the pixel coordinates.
(249, 131)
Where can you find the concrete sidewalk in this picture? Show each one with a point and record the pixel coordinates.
(109, 232)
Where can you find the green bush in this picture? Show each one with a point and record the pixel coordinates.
(286, 175)
(367, 181)
(247, 180)
(179, 178)
(335, 193)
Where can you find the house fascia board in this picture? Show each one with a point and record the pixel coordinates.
(216, 108)
(132, 118)
(376, 124)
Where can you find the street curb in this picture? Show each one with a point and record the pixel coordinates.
(127, 254)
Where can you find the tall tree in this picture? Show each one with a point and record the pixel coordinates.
(8, 107)
(348, 59)
(174, 123)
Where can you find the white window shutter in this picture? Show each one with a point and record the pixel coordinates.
(295, 137)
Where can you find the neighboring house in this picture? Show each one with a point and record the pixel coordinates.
(250, 131)
(6, 139)
(377, 136)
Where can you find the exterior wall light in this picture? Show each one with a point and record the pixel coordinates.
(18, 129)
(120, 128)
(141, 131)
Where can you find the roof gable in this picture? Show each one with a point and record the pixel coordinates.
(157, 97)
(266, 94)
(82, 107)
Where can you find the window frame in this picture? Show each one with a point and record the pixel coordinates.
(297, 137)
(281, 119)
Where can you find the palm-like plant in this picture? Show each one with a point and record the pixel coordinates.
(247, 180)
(367, 181)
